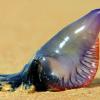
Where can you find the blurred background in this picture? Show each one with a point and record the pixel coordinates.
(25, 25)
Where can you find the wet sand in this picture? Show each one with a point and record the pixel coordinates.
(25, 25)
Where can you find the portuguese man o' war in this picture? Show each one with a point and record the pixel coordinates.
(69, 60)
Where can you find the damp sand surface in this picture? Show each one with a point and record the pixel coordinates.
(90, 93)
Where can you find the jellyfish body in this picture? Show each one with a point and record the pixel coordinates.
(68, 60)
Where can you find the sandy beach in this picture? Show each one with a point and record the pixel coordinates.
(25, 25)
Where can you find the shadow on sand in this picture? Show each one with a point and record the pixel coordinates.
(95, 83)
